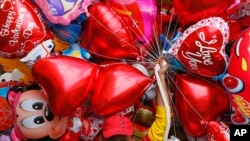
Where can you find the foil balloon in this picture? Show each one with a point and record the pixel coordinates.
(67, 81)
(218, 131)
(236, 79)
(63, 11)
(198, 101)
(202, 46)
(192, 11)
(149, 12)
(5, 115)
(130, 11)
(117, 87)
(22, 28)
(107, 34)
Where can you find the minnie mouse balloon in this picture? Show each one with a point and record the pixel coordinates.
(201, 47)
(197, 102)
(107, 34)
(22, 28)
(63, 11)
(117, 87)
(67, 81)
(191, 11)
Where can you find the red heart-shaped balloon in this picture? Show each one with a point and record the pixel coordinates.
(22, 28)
(117, 87)
(67, 81)
(202, 46)
(107, 34)
(191, 11)
(197, 102)
(218, 131)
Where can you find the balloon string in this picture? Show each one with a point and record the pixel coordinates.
(165, 101)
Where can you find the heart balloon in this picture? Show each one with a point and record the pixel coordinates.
(197, 102)
(107, 34)
(218, 131)
(22, 28)
(117, 87)
(5, 115)
(130, 12)
(67, 81)
(191, 11)
(202, 46)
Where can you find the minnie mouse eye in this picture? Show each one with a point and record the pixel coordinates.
(33, 122)
(32, 105)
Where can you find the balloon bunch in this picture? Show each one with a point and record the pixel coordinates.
(95, 58)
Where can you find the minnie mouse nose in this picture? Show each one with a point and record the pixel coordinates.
(48, 114)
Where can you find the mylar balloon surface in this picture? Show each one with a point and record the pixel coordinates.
(67, 81)
(117, 87)
(130, 12)
(107, 34)
(63, 11)
(197, 102)
(22, 28)
(5, 115)
(191, 11)
(218, 130)
(202, 47)
(236, 80)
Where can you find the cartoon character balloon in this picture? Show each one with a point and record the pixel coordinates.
(63, 11)
(22, 28)
(236, 79)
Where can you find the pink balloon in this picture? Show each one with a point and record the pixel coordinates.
(148, 10)
(62, 11)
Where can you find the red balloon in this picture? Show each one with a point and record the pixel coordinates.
(130, 12)
(197, 102)
(237, 81)
(218, 131)
(22, 28)
(107, 34)
(5, 115)
(191, 11)
(117, 87)
(67, 81)
(201, 47)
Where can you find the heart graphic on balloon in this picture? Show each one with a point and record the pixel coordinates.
(107, 34)
(191, 11)
(66, 81)
(197, 102)
(202, 47)
(22, 28)
(117, 87)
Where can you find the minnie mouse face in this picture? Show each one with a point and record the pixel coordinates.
(34, 118)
